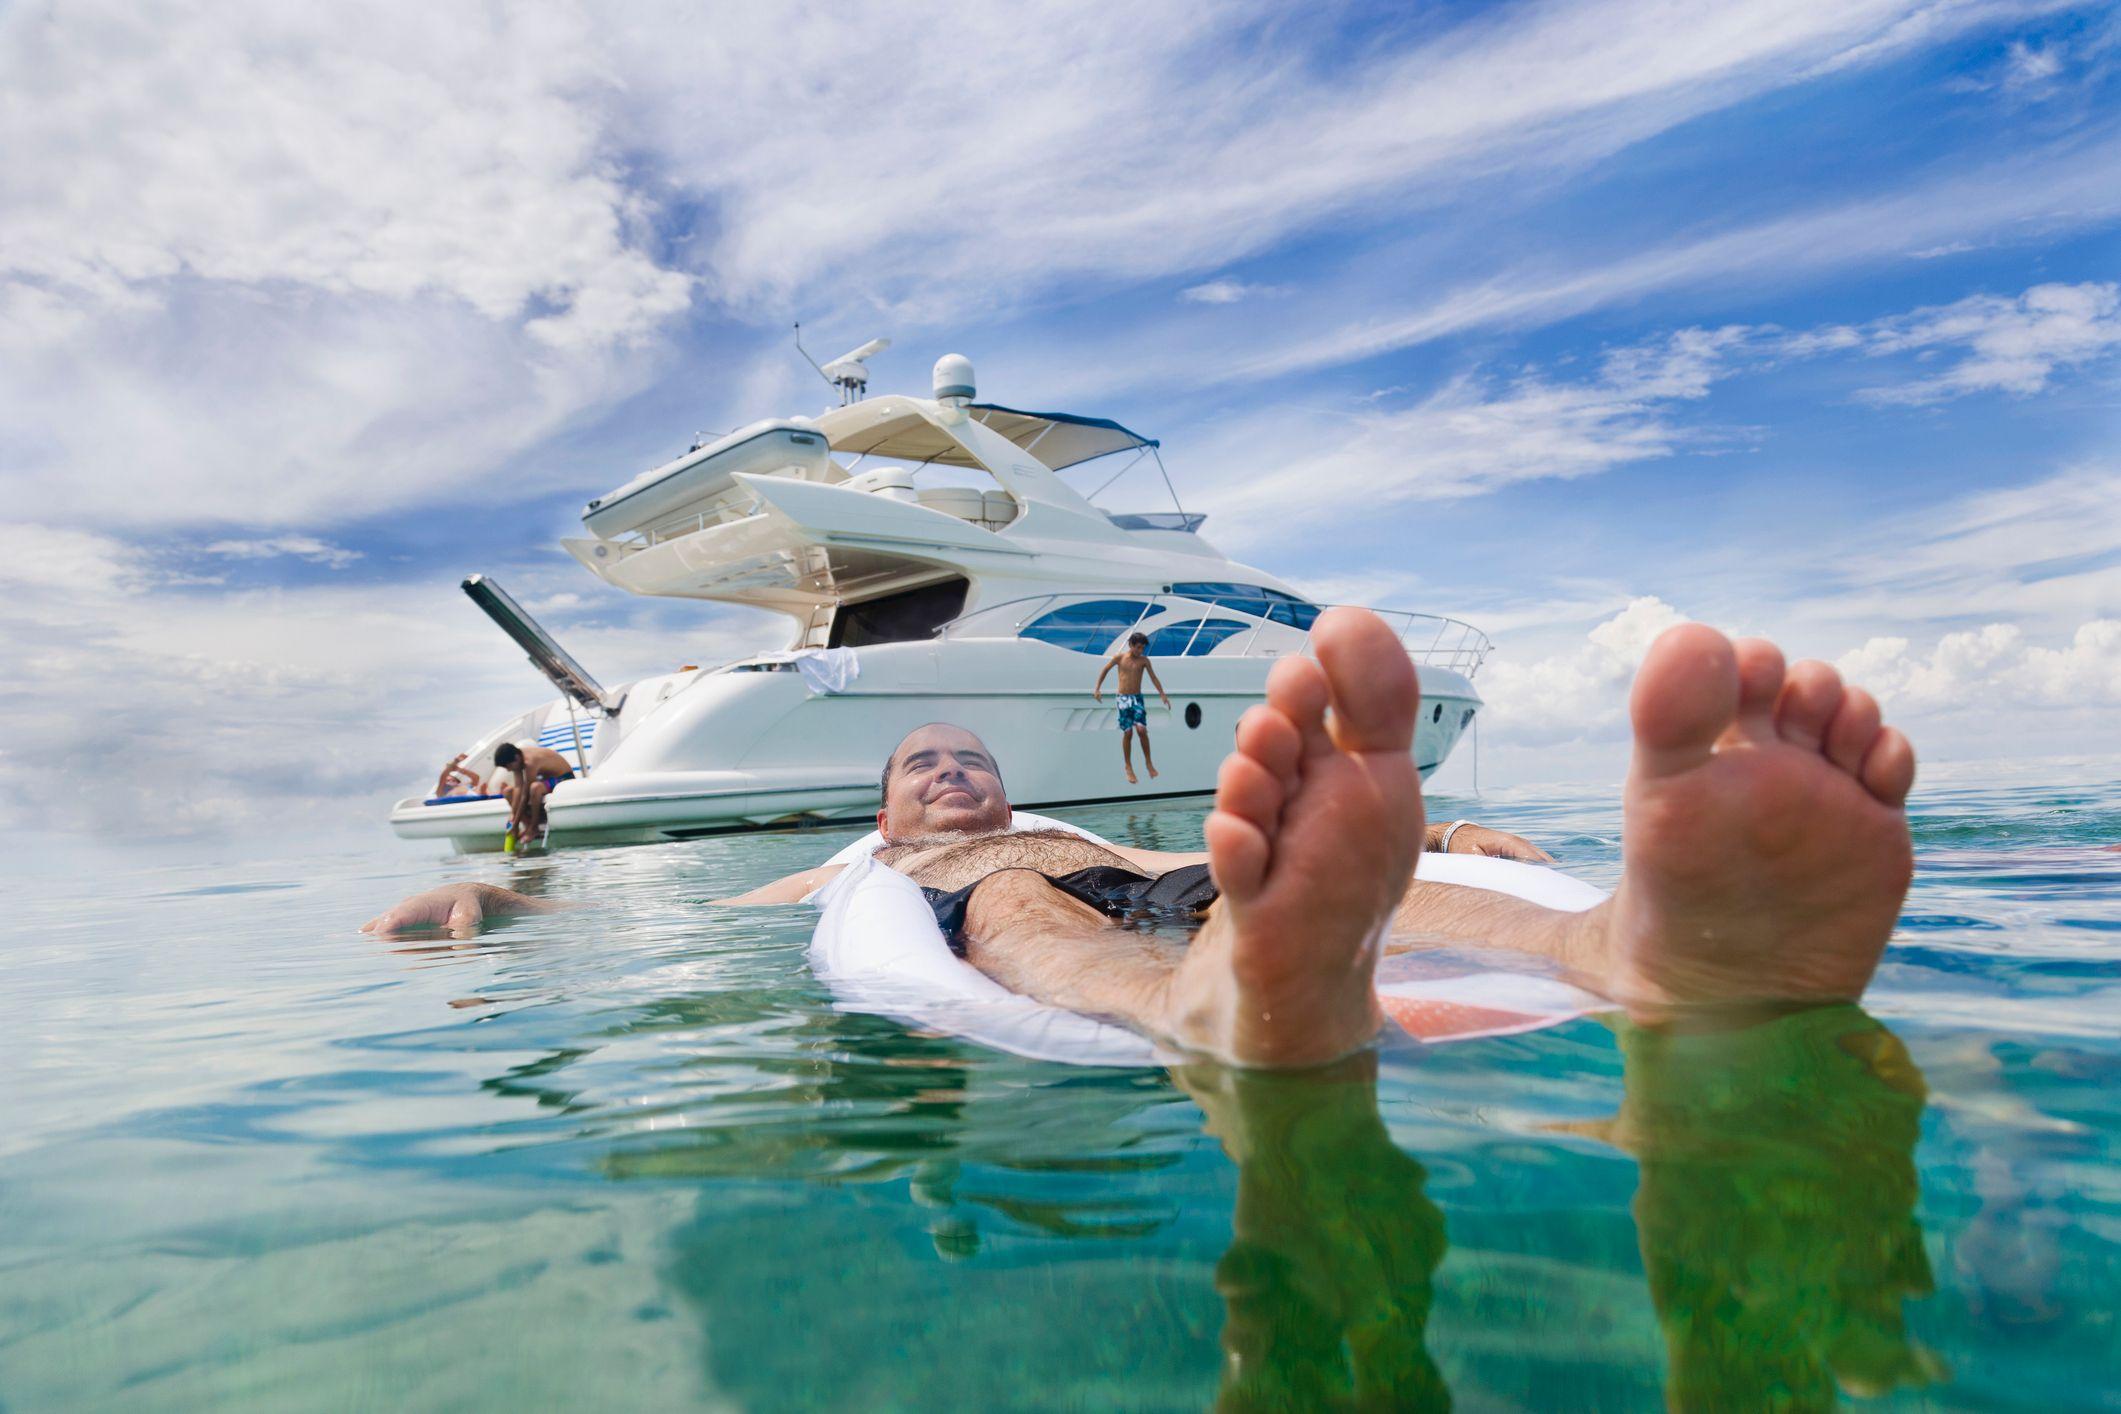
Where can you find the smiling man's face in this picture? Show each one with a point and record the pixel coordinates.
(942, 781)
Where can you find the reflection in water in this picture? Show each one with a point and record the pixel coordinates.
(1776, 1209)
(1329, 1274)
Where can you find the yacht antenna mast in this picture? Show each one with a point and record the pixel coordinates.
(849, 372)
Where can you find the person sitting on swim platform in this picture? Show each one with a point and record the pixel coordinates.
(1133, 713)
(457, 778)
(526, 775)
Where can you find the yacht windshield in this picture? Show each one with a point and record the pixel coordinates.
(1193, 638)
(1254, 599)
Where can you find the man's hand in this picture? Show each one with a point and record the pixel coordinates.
(1097, 694)
(458, 909)
(1497, 844)
(1167, 702)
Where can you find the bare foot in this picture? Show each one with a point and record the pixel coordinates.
(1131, 780)
(1766, 848)
(1152, 773)
(1316, 826)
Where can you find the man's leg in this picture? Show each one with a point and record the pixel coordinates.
(1147, 760)
(1126, 753)
(1312, 841)
(1766, 845)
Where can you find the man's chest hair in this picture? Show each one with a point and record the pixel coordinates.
(956, 863)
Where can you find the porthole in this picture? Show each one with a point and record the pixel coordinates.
(1465, 717)
(1192, 714)
(1437, 715)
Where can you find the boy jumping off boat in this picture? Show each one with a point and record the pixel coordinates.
(1133, 713)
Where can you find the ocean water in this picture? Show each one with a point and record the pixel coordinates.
(633, 1157)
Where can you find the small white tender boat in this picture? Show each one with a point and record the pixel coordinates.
(936, 566)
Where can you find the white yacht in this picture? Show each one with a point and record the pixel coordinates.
(936, 566)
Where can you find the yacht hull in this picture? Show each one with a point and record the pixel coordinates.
(759, 749)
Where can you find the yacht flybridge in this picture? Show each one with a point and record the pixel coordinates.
(937, 567)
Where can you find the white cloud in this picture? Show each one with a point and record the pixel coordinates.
(273, 266)
(1580, 693)
(427, 154)
(1227, 292)
(1992, 669)
(2031, 65)
(1179, 138)
(299, 547)
(2006, 345)
(1469, 437)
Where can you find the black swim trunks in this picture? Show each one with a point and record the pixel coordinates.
(1180, 895)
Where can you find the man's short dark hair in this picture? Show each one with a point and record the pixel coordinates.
(507, 754)
(1138, 637)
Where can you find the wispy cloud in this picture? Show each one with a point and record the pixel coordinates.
(1477, 434)
(297, 547)
(1471, 436)
(1227, 292)
(2070, 186)
(2005, 345)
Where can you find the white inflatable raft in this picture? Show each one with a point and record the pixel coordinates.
(706, 472)
(878, 948)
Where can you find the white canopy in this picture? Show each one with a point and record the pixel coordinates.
(893, 429)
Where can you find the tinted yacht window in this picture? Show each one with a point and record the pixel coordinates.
(898, 618)
(1192, 638)
(1088, 627)
(1253, 599)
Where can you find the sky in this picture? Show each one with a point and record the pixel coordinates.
(1573, 320)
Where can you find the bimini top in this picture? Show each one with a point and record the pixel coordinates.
(891, 428)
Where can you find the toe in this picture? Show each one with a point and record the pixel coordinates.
(1296, 688)
(1811, 694)
(1854, 728)
(1371, 679)
(1247, 789)
(1271, 739)
(1760, 678)
(1237, 855)
(1685, 696)
(1888, 770)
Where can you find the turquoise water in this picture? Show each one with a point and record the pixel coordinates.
(633, 1158)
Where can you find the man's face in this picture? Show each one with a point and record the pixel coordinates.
(942, 782)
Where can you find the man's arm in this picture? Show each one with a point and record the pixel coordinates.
(1468, 839)
(792, 889)
(458, 909)
(1151, 667)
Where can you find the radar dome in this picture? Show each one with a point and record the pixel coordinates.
(953, 376)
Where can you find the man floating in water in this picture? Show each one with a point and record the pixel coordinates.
(1133, 712)
(1766, 853)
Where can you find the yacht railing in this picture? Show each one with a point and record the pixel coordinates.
(1428, 638)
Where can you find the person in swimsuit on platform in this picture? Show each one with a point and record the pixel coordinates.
(526, 775)
(1766, 853)
(457, 778)
(1133, 713)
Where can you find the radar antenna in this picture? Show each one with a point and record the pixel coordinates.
(849, 372)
